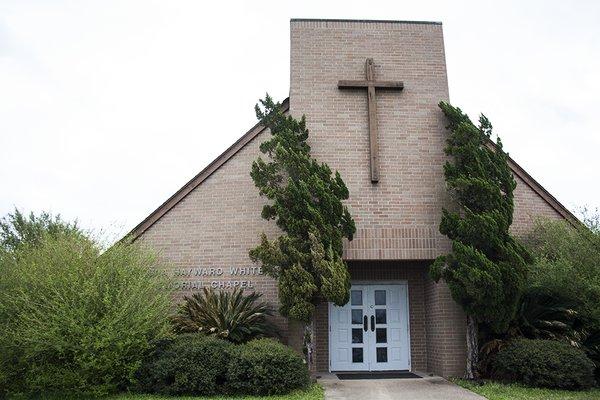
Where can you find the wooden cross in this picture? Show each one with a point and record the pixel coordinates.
(371, 84)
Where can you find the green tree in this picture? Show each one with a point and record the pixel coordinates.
(567, 262)
(76, 319)
(305, 201)
(487, 267)
(18, 229)
(591, 219)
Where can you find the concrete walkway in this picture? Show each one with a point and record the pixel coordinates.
(427, 388)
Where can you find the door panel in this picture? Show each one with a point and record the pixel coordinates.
(348, 333)
(392, 344)
(370, 333)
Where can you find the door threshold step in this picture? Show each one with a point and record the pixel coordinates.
(377, 375)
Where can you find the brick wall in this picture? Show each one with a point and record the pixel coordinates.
(218, 222)
(528, 207)
(445, 323)
(215, 226)
(398, 217)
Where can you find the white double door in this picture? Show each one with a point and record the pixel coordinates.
(370, 332)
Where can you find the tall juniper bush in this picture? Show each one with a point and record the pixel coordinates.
(305, 201)
(487, 267)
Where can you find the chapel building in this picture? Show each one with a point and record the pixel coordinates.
(370, 92)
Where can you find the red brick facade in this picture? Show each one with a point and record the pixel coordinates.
(214, 220)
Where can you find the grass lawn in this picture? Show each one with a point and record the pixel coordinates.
(499, 391)
(314, 393)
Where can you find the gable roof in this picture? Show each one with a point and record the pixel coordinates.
(200, 177)
(257, 129)
(543, 193)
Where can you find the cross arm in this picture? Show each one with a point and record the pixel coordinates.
(392, 85)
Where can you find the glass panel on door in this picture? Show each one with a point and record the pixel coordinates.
(382, 354)
(357, 335)
(380, 298)
(358, 317)
(381, 335)
(356, 298)
(357, 355)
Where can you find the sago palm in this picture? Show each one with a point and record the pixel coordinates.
(546, 315)
(541, 314)
(233, 316)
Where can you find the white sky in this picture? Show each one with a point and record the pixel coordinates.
(108, 107)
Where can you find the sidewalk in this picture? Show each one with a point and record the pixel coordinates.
(427, 388)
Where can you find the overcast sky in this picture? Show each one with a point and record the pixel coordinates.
(108, 107)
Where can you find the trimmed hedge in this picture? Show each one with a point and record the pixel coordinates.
(190, 364)
(266, 367)
(544, 363)
(194, 364)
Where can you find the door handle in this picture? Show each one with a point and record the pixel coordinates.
(372, 323)
(365, 323)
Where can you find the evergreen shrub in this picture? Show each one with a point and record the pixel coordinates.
(196, 364)
(544, 363)
(190, 364)
(266, 367)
